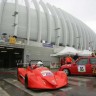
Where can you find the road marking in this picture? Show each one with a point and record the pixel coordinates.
(29, 91)
(3, 93)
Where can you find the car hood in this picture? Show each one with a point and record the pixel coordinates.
(49, 80)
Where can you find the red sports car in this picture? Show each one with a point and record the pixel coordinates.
(41, 78)
(82, 66)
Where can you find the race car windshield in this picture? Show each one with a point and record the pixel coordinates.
(47, 73)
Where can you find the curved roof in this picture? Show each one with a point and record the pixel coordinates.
(36, 21)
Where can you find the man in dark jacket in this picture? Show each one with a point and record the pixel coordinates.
(75, 57)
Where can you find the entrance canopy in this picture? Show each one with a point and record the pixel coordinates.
(85, 53)
(66, 51)
(72, 51)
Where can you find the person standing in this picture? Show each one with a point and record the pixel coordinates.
(12, 40)
(75, 57)
(62, 61)
(68, 59)
(93, 54)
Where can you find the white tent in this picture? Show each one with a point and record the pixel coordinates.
(85, 53)
(67, 51)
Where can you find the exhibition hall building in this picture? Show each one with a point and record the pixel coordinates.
(39, 28)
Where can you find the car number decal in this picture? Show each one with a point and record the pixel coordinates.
(81, 68)
(47, 73)
(94, 69)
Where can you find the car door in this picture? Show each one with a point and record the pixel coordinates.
(93, 66)
(81, 66)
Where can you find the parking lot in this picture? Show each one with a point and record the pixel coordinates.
(78, 86)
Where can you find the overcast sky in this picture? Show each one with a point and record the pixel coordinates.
(85, 10)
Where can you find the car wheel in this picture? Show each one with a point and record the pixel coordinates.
(66, 71)
(26, 81)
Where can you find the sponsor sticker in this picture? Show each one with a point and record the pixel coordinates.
(94, 69)
(81, 68)
(47, 73)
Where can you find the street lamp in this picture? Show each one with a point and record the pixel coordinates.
(78, 41)
(57, 28)
(57, 35)
(90, 45)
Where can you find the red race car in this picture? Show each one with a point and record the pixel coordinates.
(82, 66)
(41, 77)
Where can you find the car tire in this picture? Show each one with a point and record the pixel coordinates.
(26, 81)
(67, 71)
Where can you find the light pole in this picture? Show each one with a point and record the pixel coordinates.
(57, 28)
(78, 41)
(90, 45)
(57, 35)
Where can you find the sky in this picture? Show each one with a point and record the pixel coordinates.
(84, 10)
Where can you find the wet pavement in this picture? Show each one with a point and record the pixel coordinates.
(78, 86)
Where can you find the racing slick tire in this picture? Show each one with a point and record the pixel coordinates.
(26, 81)
(66, 71)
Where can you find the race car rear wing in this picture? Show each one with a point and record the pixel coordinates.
(21, 65)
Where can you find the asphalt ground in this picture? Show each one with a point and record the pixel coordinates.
(78, 86)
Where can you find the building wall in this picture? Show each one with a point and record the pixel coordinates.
(39, 53)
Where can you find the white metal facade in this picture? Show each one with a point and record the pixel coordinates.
(38, 21)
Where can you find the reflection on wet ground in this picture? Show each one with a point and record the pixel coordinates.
(12, 90)
(78, 86)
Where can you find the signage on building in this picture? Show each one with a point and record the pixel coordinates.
(47, 45)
